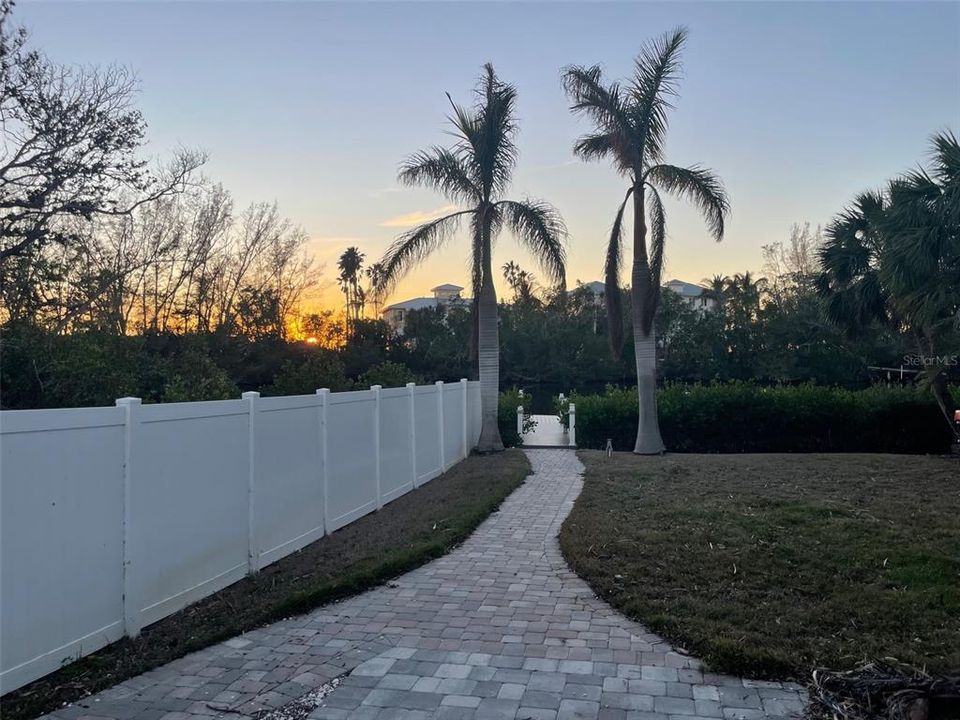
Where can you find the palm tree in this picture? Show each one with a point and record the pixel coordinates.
(375, 276)
(716, 287)
(475, 174)
(893, 259)
(747, 291)
(350, 265)
(631, 126)
(519, 280)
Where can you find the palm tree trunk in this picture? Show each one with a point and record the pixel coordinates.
(474, 330)
(649, 441)
(488, 342)
(940, 387)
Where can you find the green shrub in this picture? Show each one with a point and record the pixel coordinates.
(322, 369)
(742, 417)
(193, 376)
(507, 415)
(388, 374)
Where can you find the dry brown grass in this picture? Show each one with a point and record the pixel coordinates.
(770, 565)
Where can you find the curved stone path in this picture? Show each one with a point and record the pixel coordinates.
(498, 628)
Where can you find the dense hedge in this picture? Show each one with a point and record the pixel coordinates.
(742, 417)
(510, 400)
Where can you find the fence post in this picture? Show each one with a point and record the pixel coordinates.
(376, 440)
(572, 434)
(439, 385)
(323, 395)
(132, 621)
(253, 552)
(520, 420)
(466, 415)
(413, 431)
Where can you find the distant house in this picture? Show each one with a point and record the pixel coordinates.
(694, 295)
(447, 294)
(597, 288)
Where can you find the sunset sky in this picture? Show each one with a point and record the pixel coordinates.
(796, 105)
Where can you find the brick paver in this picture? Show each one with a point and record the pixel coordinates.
(499, 628)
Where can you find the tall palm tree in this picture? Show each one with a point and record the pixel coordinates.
(350, 265)
(475, 174)
(375, 276)
(631, 126)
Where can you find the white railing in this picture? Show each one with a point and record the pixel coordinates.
(570, 433)
(115, 517)
(572, 426)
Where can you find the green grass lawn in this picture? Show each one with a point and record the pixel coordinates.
(411, 530)
(771, 565)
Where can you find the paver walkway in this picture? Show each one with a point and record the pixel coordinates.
(499, 628)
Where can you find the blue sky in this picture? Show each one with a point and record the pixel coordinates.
(797, 106)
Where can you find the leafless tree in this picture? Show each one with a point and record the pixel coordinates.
(69, 146)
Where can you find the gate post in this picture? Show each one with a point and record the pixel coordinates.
(572, 435)
(520, 420)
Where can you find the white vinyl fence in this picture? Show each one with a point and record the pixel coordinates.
(115, 517)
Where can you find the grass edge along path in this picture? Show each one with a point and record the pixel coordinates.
(408, 532)
(771, 565)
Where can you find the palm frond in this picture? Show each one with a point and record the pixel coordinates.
(656, 73)
(487, 133)
(413, 246)
(594, 147)
(539, 227)
(611, 280)
(699, 185)
(441, 170)
(946, 158)
(658, 235)
(852, 247)
(849, 282)
(603, 104)
(599, 145)
(606, 107)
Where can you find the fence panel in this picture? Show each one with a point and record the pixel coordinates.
(453, 424)
(287, 491)
(188, 509)
(428, 433)
(351, 467)
(396, 450)
(113, 518)
(60, 538)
